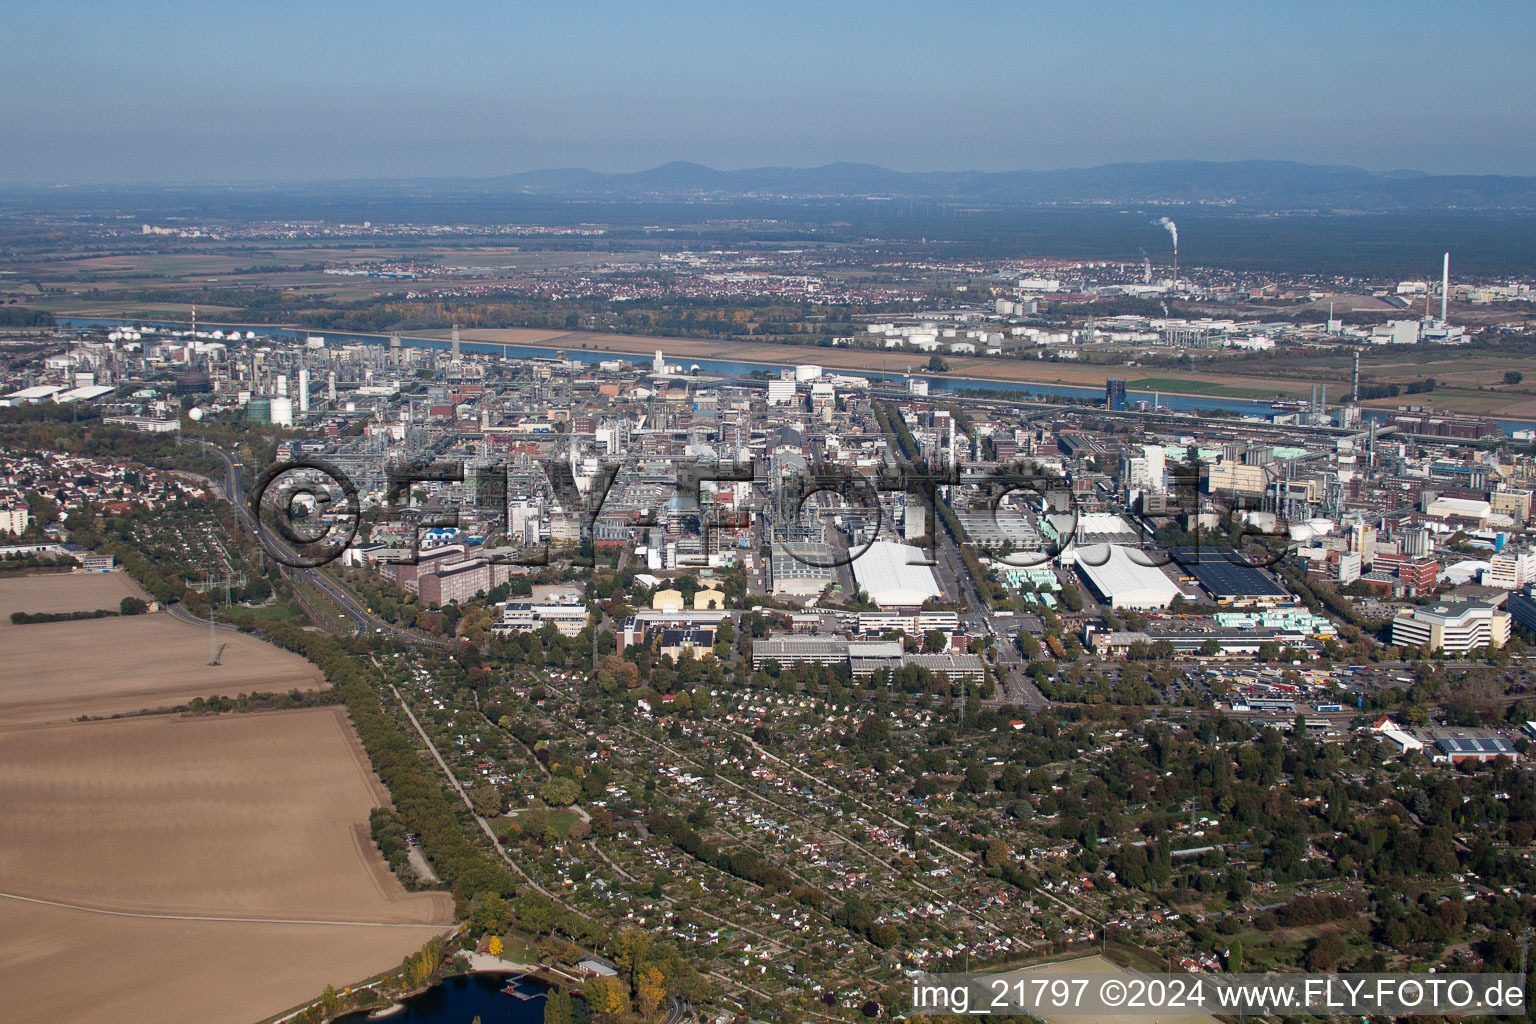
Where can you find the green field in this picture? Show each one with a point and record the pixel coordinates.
(559, 819)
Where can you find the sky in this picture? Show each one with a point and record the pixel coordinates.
(129, 92)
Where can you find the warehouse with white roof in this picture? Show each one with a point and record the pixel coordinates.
(31, 396)
(894, 575)
(1124, 578)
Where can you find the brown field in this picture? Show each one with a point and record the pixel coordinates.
(1098, 965)
(56, 671)
(67, 965)
(253, 817)
(65, 592)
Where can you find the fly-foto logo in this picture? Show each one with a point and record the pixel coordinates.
(308, 510)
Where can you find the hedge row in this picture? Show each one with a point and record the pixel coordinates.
(419, 799)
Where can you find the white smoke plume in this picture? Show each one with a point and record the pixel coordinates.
(1173, 229)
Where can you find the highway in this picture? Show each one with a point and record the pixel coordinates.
(363, 621)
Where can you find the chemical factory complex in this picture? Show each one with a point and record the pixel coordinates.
(942, 613)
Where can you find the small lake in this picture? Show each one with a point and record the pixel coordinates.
(460, 1000)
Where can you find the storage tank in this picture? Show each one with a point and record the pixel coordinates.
(259, 410)
(807, 371)
(282, 412)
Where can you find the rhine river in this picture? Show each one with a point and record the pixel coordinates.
(937, 383)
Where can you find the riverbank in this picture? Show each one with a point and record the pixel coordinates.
(983, 369)
(1187, 391)
(726, 356)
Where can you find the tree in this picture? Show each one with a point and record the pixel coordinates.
(132, 606)
(533, 821)
(934, 641)
(1513, 377)
(606, 997)
(996, 854)
(936, 364)
(1071, 598)
(421, 966)
(494, 947)
(491, 914)
(330, 1000)
(634, 944)
(557, 1008)
(488, 799)
(650, 992)
(560, 791)
(1325, 952)
(535, 913)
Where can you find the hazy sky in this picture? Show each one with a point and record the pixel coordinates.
(165, 91)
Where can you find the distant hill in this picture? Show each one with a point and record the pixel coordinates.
(1253, 184)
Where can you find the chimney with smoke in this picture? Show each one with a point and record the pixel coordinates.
(1173, 232)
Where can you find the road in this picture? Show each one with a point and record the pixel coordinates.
(485, 826)
(179, 612)
(956, 581)
(363, 621)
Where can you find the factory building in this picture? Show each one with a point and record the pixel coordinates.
(895, 576)
(1122, 577)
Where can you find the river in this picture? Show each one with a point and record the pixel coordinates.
(937, 383)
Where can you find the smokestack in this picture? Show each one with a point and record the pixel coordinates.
(455, 355)
(1445, 285)
(1167, 224)
(1354, 395)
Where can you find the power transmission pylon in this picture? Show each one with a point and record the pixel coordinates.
(211, 582)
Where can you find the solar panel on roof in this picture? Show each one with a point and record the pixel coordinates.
(1476, 745)
(1224, 573)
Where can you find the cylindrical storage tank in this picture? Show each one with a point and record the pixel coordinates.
(259, 410)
